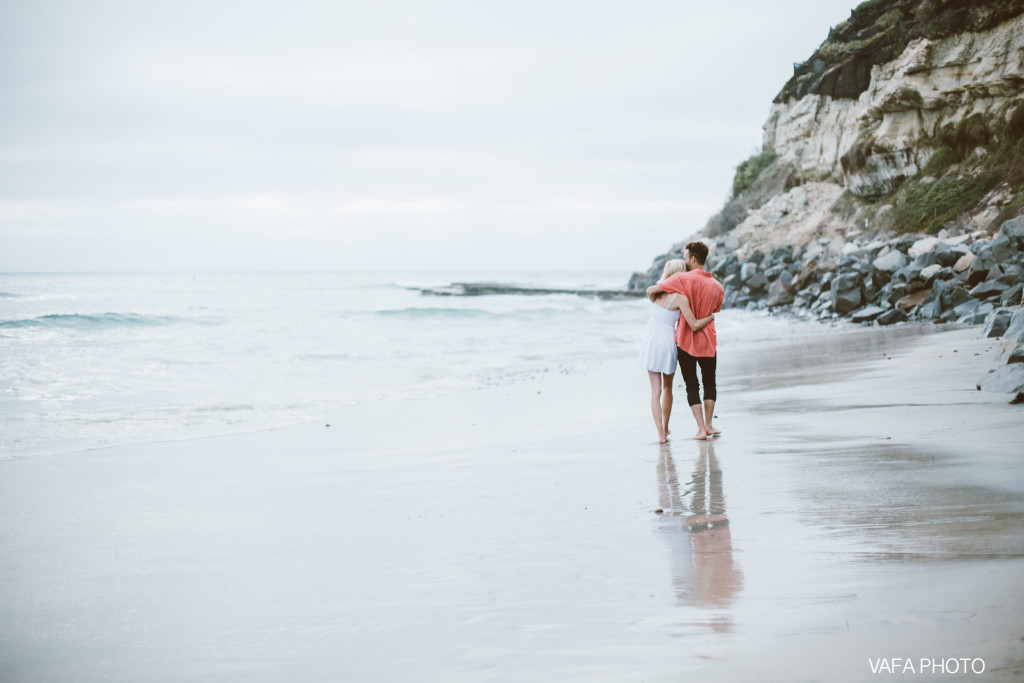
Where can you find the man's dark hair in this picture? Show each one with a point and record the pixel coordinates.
(699, 251)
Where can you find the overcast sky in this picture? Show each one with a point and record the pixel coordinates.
(440, 134)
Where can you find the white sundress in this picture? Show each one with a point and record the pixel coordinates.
(658, 345)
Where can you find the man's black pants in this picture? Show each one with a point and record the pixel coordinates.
(688, 365)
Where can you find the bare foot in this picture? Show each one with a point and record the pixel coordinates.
(713, 432)
(701, 436)
(662, 439)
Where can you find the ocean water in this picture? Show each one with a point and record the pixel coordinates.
(95, 360)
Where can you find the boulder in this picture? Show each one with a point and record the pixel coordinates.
(982, 312)
(866, 314)
(782, 254)
(753, 277)
(1013, 229)
(945, 255)
(1012, 296)
(978, 245)
(780, 293)
(921, 246)
(965, 309)
(944, 273)
(1000, 251)
(997, 323)
(931, 308)
(884, 266)
(846, 293)
(1011, 274)
(807, 274)
(909, 272)
(912, 300)
(1012, 347)
(928, 273)
(1005, 379)
(989, 290)
(954, 296)
(964, 262)
(892, 316)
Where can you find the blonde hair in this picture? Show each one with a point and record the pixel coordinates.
(671, 268)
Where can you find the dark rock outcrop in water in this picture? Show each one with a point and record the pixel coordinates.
(890, 187)
(497, 288)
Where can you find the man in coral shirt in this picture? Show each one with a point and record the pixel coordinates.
(704, 294)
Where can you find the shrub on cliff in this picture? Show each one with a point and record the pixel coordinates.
(927, 206)
(748, 171)
(943, 158)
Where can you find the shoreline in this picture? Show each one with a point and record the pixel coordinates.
(476, 535)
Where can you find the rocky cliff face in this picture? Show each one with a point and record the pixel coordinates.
(887, 134)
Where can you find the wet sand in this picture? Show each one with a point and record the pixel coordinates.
(864, 502)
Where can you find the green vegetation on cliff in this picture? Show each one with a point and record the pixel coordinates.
(748, 171)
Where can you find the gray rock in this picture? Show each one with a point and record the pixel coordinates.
(909, 273)
(982, 312)
(866, 314)
(927, 259)
(989, 257)
(808, 273)
(846, 301)
(884, 266)
(945, 255)
(637, 281)
(944, 273)
(846, 293)
(978, 245)
(844, 281)
(1012, 346)
(921, 246)
(966, 308)
(928, 273)
(782, 254)
(1013, 296)
(1006, 379)
(753, 277)
(989, 290)
(1012, 274)
(892, 316)
(997, 322)
(930, 310)
(779, 294)
(953, 296)
(1016, 327)
(1013, 229)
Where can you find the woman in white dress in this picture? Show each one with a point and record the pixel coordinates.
(658, 353)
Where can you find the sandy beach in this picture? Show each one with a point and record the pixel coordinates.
(864, 503)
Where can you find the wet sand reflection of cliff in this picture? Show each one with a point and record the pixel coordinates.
(694, 524)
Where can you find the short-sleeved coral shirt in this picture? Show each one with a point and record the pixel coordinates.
(705, 295)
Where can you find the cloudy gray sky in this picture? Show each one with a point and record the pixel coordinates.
(438, 134)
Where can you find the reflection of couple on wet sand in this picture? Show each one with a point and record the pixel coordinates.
(682, 330)
(703, 571)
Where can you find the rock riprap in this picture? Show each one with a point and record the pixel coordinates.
(970, 279)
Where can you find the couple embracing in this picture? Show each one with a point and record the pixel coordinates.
(682, 330)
